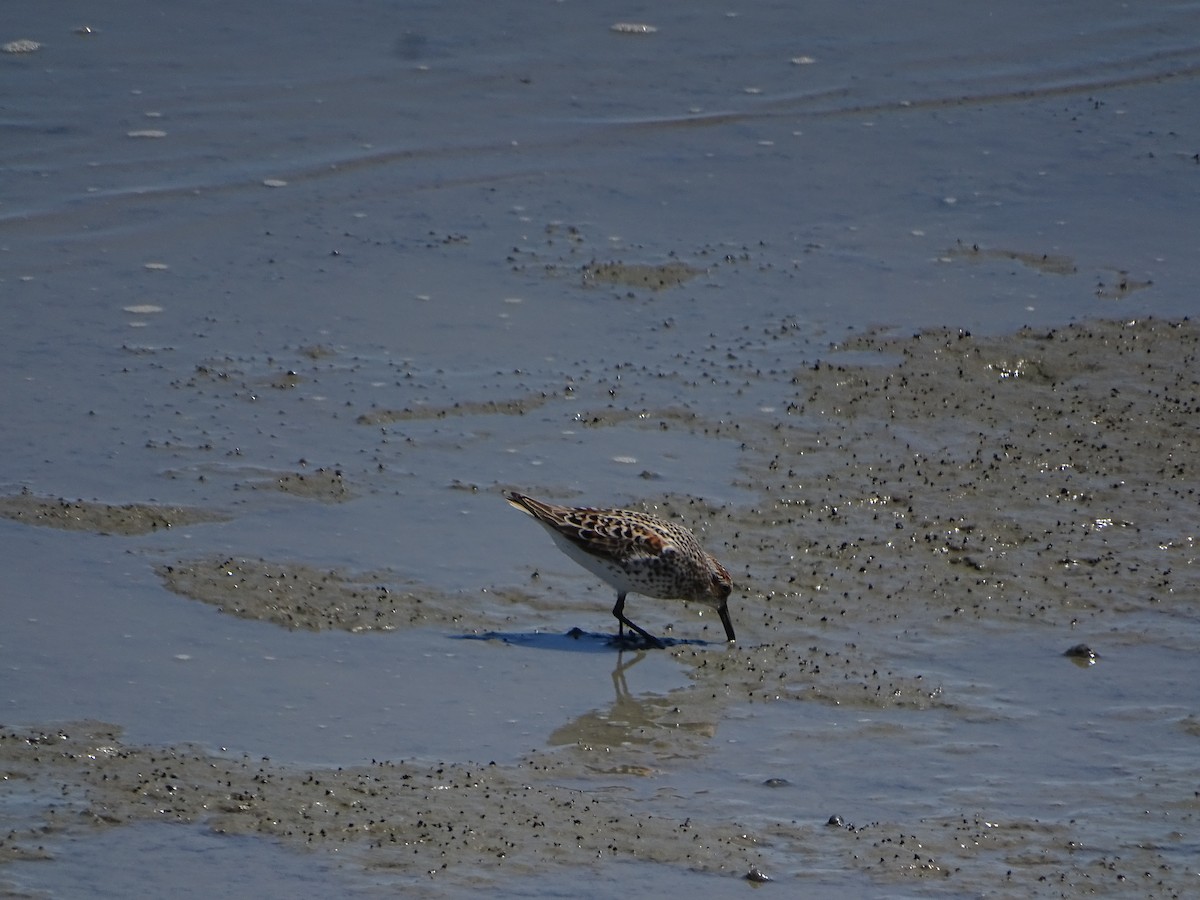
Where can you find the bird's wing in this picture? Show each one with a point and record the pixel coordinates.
(612, 533)
(617, 534)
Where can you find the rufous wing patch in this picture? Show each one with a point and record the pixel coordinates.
(654, 541)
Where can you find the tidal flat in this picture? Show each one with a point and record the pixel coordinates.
(920, 530)
(896, 310)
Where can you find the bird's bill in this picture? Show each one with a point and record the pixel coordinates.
(723, 612)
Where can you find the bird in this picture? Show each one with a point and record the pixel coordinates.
(635, 552)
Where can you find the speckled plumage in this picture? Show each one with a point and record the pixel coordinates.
(635, 552)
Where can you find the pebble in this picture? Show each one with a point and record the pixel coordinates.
(757, 875)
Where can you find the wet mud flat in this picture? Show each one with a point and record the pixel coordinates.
(1038, 488)
(97, 517)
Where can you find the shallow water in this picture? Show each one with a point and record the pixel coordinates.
(175, 671)
(346, 366)
(187, 862)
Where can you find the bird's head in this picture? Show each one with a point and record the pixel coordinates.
(720, 585)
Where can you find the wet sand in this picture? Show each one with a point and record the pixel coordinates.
(101, 518)
(898, 317)
(911, 492)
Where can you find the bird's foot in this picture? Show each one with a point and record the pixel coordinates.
(638, 642)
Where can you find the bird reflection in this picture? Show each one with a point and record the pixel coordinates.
(668, 722)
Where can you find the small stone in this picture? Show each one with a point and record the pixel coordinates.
(757, 875)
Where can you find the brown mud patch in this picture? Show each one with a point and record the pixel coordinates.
(844, 676)
(1049, 263)
(656, 278)
(458, 819)
(231, 376)
(1047, 476)
(101, 518)
(465, 821)
(298, 596)
(1018, 857)
(1111, 284)
(1117, 285)
(563, 246)
(323, 484)
(326, 484)
(465, 408)
(664, 419)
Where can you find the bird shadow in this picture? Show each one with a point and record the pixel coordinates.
(578, 641)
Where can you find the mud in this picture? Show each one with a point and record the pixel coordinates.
(101, 518)
(323, 484)
(936, 483)
(1047, 475)
(294, 595)
(461, 818)
(492, 407)
(562, 247)
(656, 278)
(1050, 263)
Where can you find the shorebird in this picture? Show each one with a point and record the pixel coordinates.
(635, 552)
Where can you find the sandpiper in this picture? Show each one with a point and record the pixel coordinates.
(637, 553)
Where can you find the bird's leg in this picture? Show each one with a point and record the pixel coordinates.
(619, 612)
